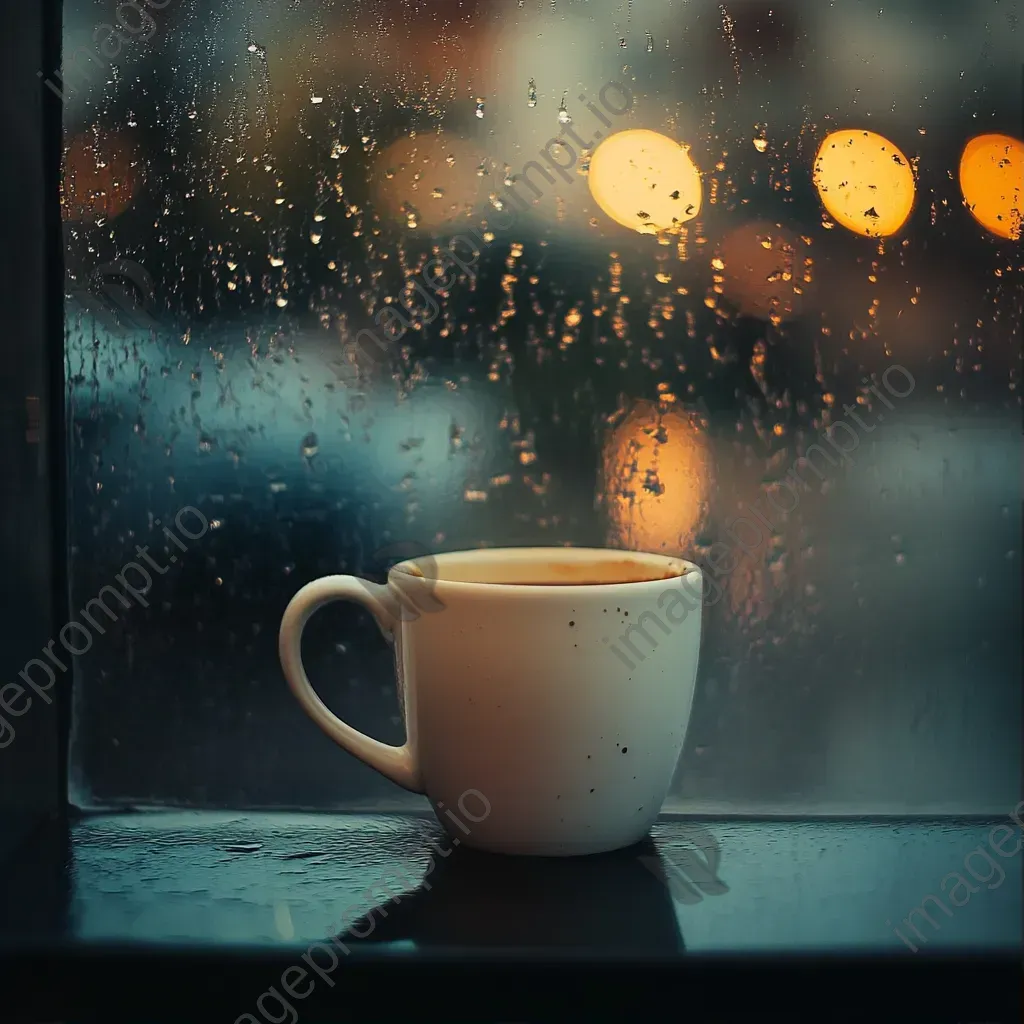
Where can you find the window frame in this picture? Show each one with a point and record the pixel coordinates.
(33, 457)
(34, 776)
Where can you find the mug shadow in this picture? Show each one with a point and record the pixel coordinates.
(613, 903)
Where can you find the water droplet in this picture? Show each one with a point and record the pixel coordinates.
(310, 445)
(412, 215)
(563, 114)
(479, 106)
(650, 43)
(531, 94)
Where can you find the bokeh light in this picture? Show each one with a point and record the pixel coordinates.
(645, 181)
(992, 180)
(766, 271)
(658, 475)
(866, 184)
(427, 180)
(101, 177)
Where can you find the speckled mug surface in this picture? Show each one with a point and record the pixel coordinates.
(546, 691)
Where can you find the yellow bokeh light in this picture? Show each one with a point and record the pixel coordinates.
(645, 181)
(866, 184)
(658, 473)
(766, 271)
(992, 179)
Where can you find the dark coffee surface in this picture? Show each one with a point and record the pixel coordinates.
(558, 574)
(597, 581)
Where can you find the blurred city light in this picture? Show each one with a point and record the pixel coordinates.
(645, 181)
(992, 180)
(101, 177)
(766, 270)
(865, 183)
(427, 180)
(658, 473)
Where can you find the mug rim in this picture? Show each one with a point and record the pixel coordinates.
(684, 566)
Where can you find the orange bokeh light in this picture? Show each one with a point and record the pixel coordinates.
(992, 181)
(865, 183)
(427, 181)
(101, 177)
(658, 473)
(765, 271)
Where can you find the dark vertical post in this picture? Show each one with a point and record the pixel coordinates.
(33, 583)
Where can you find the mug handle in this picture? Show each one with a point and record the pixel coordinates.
(395, 763)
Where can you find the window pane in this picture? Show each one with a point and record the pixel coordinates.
(357, 280)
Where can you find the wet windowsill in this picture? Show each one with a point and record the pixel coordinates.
(173, 896)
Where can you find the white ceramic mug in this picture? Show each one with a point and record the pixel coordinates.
(546, 691)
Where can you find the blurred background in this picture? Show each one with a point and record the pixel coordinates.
(611, 371)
